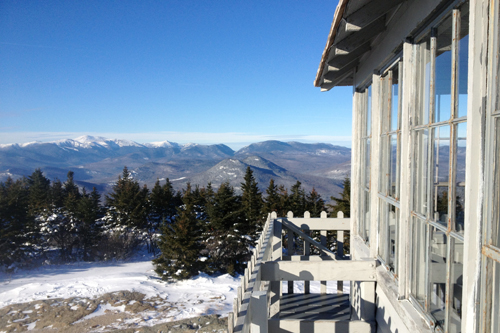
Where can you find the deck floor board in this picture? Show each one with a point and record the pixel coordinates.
(315, 307)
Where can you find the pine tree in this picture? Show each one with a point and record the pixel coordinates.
(39, 187)
(314, 203)
(163, 202)
(128, 203)
(180, 243)
(343, 204)
(297, 199)
(251, 202)
(14, 222)
(227, 246)
(284, 201)
(89, 213)
(272, 199)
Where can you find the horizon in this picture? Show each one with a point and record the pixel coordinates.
(232, 73)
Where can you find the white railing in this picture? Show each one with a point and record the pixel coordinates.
(258, 299)
(253, 294)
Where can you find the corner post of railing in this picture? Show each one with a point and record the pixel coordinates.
(277, 252)
(230, 322)
(340, 252)
(258, 312)
(323, 235)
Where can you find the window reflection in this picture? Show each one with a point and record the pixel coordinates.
(441, 157)
(419, 262)
(438, 274)
(421, 171)
(460, 177)
(456, 285)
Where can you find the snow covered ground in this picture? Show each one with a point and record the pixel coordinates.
(79, 283)
(200, 295)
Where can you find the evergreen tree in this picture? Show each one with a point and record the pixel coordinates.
(251, 203)
(314, 203)
(14, 222)
(89, 213)
(343, 203)
(180, 243)
(39, 187)
(272, 199)
(163, 202)
(284, 201)
(127, 204)
(227, 246)
(297, 199)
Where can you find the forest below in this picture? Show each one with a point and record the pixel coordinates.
(197, 229)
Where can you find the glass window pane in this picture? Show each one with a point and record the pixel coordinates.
(456, 286)
(438, 274)
(420, 175)
(393, 224)
(395, 99)
(384, 165)
(418, 288)
(383, 245)
(441, 146)
(460, 177)
(463, 60)
(394, 163)
(443, 71)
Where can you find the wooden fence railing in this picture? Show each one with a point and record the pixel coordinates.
(258, 298)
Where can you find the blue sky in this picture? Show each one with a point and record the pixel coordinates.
(231, 72)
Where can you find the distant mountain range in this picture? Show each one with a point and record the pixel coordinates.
(97, 161)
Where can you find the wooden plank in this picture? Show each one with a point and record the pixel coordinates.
(323, 236)
(258, 312)
(339, 61)
(277, 252)
(348, 270)
(307, 248)
(318, 223)
(331, 326)
(369, 13)
(353, 41)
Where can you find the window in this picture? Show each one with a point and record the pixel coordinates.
(364, 218)
(491, 238)
(390, 152)
(438, 171)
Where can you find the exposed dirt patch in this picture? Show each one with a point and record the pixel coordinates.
(121, 311)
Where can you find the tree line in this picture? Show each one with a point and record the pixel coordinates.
(195, 229)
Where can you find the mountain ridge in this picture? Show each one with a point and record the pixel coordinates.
(97, 161)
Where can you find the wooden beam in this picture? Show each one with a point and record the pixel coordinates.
(332, 326)
(318, 223)
(369, 13)
(346, 270)
(340, 61)
(355, 40)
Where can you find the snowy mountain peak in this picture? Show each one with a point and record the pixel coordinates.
(162, 144)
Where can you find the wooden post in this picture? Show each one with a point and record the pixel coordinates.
(258, 312)
(230, 322)
(340, 252)
(290, 253)
(323, 242)
(277, 251)
(307, 248)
